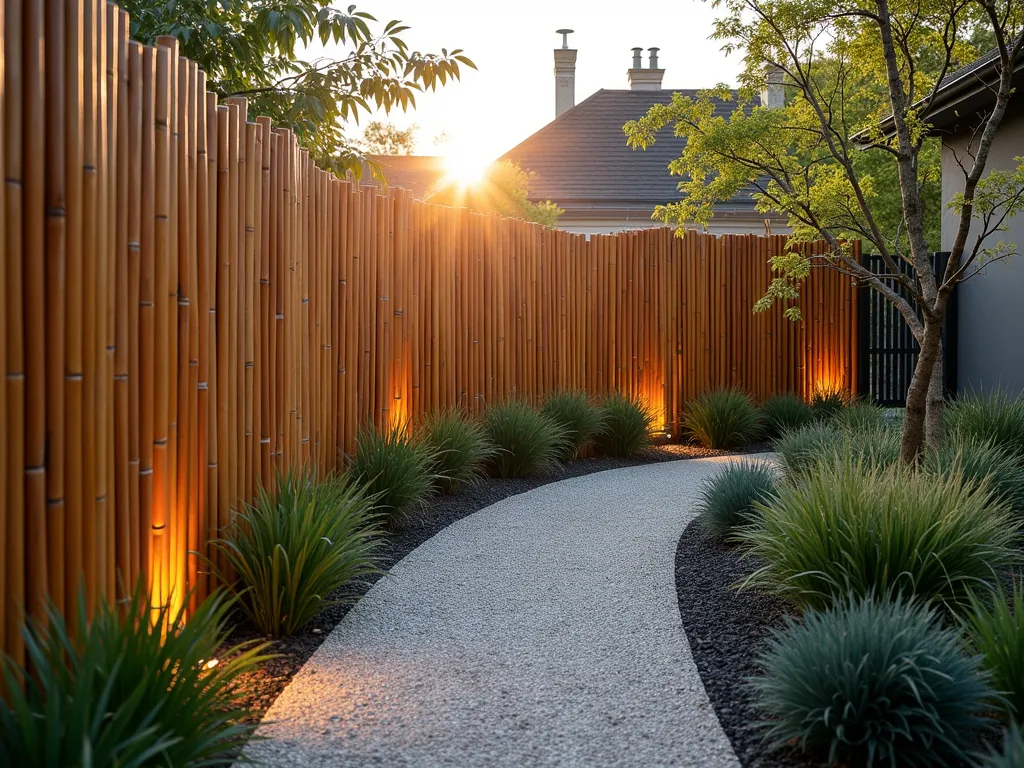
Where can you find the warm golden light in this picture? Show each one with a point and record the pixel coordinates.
(212, 663)
(464, 168)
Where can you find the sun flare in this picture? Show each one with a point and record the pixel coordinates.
(464, 168)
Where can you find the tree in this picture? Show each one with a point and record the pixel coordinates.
(381, 138)
(849, 65)
(504, 188)
(250, 48)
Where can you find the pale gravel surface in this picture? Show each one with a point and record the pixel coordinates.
(542, 630)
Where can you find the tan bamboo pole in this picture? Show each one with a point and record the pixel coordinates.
(335, 361)
(224, 394)
(56, 269)
(344, 307)
(267, 308)
(199, 523)
(133, 162)
(351, 314)
(210, 519)
(232, 459)
(5, 601)
(14, 540)
(274, 309)
(251, 290)
(125, 501)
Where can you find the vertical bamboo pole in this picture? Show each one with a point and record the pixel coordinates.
(134, 163)
(5, 601)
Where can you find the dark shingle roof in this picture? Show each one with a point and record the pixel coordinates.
(582, 157)
(418, 173)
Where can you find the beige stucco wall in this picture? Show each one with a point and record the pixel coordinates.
(721, 226)
(991, 314)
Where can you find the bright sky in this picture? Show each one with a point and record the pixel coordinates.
(512, 94)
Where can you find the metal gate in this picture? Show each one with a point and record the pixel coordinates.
(887, 350)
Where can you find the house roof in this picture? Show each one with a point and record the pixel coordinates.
(417, 173)
(961, 93)
(581, 158)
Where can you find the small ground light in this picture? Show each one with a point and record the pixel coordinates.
(212, 663)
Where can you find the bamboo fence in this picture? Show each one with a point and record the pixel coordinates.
(189, 304)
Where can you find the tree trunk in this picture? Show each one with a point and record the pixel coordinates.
(934, 429)
(917, 395)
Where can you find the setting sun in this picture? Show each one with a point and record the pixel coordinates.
(464, 168)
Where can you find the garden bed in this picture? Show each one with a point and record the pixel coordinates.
(263, 685)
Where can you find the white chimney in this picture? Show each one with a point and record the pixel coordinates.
(565, 74)
(773, 95)
(649, 79)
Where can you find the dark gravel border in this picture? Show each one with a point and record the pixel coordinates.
(725, 629)
(262, 686)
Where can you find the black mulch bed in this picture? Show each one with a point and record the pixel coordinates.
(264, 684)
(726, 628)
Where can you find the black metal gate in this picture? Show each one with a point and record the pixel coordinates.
(887, 349)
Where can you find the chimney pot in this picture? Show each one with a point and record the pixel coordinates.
(565, 74)
(654, 57)
(641, 79)
(773, 96)
(637, 54)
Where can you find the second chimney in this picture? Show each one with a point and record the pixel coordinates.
(565, 74)
(649, 79)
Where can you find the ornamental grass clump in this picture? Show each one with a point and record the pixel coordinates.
(873, 682)
(723, 418)
(783, 413)
(296, 545)
(828, 402)
(727, 500)
(579, 419)
(848, 527)
(975, 460)
(1012, 753)
(995, 630)
(140, 686)
(626, 426)
(396, 471)
(802, 450)
(526, 441)
(860, 416)
(995, 416)
(460, 448)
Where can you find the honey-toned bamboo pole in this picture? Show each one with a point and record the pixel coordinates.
(5, 602)
(14, 539)
(251, 294)
(267, 308)
(221, 451)
(210, 520)
(132, 139)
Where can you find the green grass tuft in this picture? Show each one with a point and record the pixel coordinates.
(994, 417)
(727, 499)
(996, 631)
(871, 682)
(801, 450)
(828, 402)
(1012, 753)
(626, 426)
(124, 692)
(783, 413)
(527, 441)
(395, 471)
(860, 416)
(974, 461)
(723, 418)
(460, 447)
(579, 419)
(849, 528)
(296, 545)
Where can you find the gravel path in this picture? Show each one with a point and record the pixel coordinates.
(542, 630)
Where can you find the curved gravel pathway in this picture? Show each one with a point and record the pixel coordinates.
(542, 630)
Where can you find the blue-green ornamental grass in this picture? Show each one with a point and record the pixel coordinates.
(723, 418)
(994, 416)
(850, 528)
(124, 693)
(625, 426)
(1012, 753)
(828, 402)
(860, 416)
(802, 450)
(459, 446)
(296, 545)
(783, 413)
(396, 471)
(873, 682)
(580, 419)
(526, 441)
(727, 500)
(975, 460)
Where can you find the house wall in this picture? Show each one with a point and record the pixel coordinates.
(991, 314)
(732, 225)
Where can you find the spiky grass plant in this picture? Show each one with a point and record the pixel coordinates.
(783, 413)
(801, 450)
(722, 418)
(994, 416)
(829, 402)
(626, 426)
(296, 545)
(996, 631)
(975, 460)
(861, 416)
(139, 686)
(851, 528)
(527, 442)
(396, 471)
(578, 417)
(727, 499)
(460, 447)
(1012, 753)
(872, 682)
